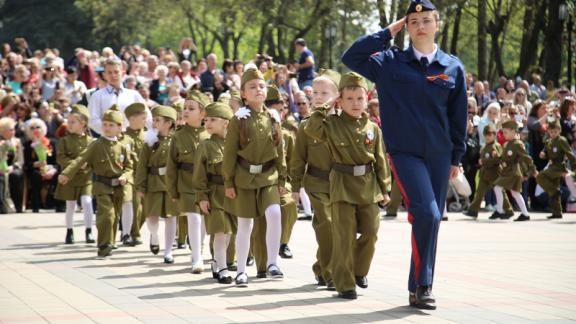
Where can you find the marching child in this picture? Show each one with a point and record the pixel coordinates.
(108, 159)
(80, 186)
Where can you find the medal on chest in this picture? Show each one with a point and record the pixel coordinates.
(509, 153)
(487, 155)
(121, 160)
(554, 149)
(369, 137)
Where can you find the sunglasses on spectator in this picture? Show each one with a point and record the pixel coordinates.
(301, 103)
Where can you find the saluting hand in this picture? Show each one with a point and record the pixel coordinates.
(397, 26)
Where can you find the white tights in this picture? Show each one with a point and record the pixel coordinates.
(305, 200)
(127, 217)
(86, 202)
(221, 242)
(195, 237)
(499, 192)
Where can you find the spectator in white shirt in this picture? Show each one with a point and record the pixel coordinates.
(113, 93)
(73, 89)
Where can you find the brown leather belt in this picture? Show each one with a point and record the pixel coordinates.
(109, 181)
(186, 166)
(355, 170)
(215, 179)
(318, 173)
(157, 171)
(255, 168)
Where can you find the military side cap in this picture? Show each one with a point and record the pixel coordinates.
(249, 75)
(235, 94)
(178, 106)
(353, 80)
(330, 75)
(81, 109)
(220, 110)
(199, 97)
(134, 109)
(554, 125)
(273, 95)
(113, 115)
(224, 98)
(165, 111)
(420, 6)
(510, 124)
(489, 129)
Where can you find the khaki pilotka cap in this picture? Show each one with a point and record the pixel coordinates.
(134, 109)
(113, 115)
(165, 111)
(249, 75)
(199, 97)
(353, 80)
(81, 109)
(220, 110)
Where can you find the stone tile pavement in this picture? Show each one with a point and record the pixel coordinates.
(488, 272)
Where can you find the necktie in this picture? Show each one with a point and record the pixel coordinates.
(424, 62)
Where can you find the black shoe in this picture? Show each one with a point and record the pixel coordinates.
(105, 250)
(181, 245)
(137, 241)
(169, 259)
(350, 294)
(226, 280)
(214, 272)
(232, 267)
(274, 272)
(471, 213)
(320, 281)
(242, 280)
(330, 286)
(497, 215)
(305, 217)
(127, 241)
(361, 281)
(390, 215)
(69, 236)
(261, 275)
(154, 249)
(522, 218)
(423, 298)
(285, 252)
(250, 261)
(555, 216)
(89, 237)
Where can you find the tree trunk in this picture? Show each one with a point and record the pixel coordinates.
(399, 39)
(553, 43)
(482, 39)
(382, 13)
(456, 28)
(444, 34)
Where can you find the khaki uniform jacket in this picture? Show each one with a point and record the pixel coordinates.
(353, 141)
(514, 161)
(557, 151)
(258, 150)
(106, 158)
(490, 157)
(309, 152)
(69, 148)
(152, 157)
(183, 147)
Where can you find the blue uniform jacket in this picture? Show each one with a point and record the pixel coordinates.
(423, 111)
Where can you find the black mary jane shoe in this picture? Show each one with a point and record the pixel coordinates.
(285, 252)
(154, 249)
(361, 281)
(241, 280)
(169, 259)
(89, 236)
(225, 280)
(69, 236)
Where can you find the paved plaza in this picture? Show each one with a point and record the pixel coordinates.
(487, 272)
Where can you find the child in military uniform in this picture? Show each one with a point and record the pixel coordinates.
(80, 186)
(359, 182)
(489, 172)
(310, 168)
(209, 186)
(254, 172)
(151, 180)
(112, 169)
(514, 158)
(136, 115)
(180, 168)
(556, 150)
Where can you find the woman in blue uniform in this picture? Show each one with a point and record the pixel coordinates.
(423, 109)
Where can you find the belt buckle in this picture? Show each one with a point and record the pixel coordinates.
(162, 171)
(115, 182)
(359, 170)
(255, 168)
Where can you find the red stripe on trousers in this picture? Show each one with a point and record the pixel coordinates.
(415, 253)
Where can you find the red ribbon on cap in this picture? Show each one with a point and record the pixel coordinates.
(439, 76)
